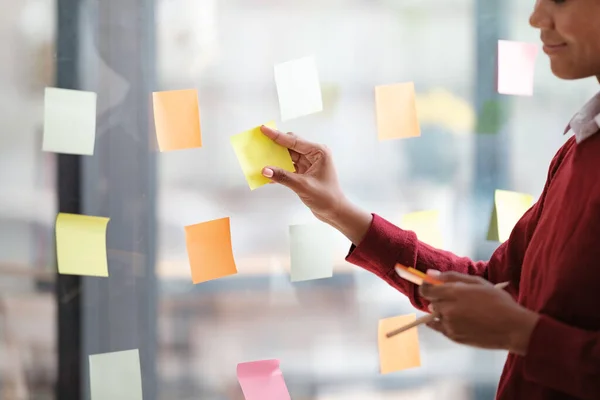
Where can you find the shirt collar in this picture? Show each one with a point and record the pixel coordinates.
(587, 121)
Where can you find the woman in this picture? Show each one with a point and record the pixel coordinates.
(549, 317)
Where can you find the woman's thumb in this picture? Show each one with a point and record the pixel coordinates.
(282, 176)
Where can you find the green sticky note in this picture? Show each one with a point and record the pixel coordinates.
(81, 245)
(491, 117)
(116, 376)
(69, 121)
(509, 207)
(331, 97)
(492, 234)
(256, 151)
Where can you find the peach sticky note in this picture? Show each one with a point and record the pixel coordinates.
(399, 352)
(516, 67)
(426, 224)
(177, 119)
(262, 380)
(116, 376)
(81, 245)
(256, 151)
(509, 207)
(396, 111)
(69, 121)
(209, 250)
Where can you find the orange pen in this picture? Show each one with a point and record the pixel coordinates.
(415, 276)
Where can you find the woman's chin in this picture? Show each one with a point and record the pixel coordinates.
(567, 72)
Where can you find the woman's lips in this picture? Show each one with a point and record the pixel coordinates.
(554, 48)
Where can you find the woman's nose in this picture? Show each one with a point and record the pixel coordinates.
(540, 17)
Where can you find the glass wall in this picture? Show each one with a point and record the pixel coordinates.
(191, 337)
(27, 203)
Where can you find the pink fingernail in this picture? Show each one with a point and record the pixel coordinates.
(433, 272)
(267, 172)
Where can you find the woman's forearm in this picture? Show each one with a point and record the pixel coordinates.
(351, 221)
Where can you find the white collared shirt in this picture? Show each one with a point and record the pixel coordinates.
(587, 121)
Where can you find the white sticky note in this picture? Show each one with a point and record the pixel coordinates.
(311, 252)
(69, 121)
(298, 88)
(116, 376)
(516, 67)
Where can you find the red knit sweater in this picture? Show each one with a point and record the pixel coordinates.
(552, 260)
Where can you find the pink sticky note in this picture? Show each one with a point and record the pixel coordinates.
(262, 380)
(516, 66)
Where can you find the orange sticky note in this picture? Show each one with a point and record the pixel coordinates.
(399, 352)
(396, 111)
(177, 119)
(209, 250)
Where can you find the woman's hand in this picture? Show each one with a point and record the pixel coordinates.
(315, 180)
(316, 184)
(472, 311)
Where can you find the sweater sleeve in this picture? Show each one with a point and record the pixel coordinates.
(564, 358)
(384, 245)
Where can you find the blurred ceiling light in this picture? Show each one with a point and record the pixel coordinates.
(37, 20)
(186, 39)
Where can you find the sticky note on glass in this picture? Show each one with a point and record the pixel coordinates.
(426, 224)
(255, 151)
(81, 245)
(396, 111)
(399, 352)
(69, 121)
(116, 376)
(262, 380)
(311, 252)
(509, 207)
(209, 250)
(516, 67)
(298, 88)
(177, 119)
(492, 117)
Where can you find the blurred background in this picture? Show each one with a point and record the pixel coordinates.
(192, 336)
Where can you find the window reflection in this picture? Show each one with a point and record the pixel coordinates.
(324, 332)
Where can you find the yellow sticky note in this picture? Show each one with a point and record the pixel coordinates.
(256, 151)
(426, 224)
(396, 111)
(509, 207)
(209, 250)
(81, 245)
(399, 352)
(177, 119)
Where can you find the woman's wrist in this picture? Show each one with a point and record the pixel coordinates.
(350, 220)
(523, 327)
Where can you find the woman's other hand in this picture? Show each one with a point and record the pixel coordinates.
(315, 180)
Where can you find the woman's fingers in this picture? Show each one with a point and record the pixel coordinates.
(436, 325)
(292, 180)
(289, 141)
(295, 156)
